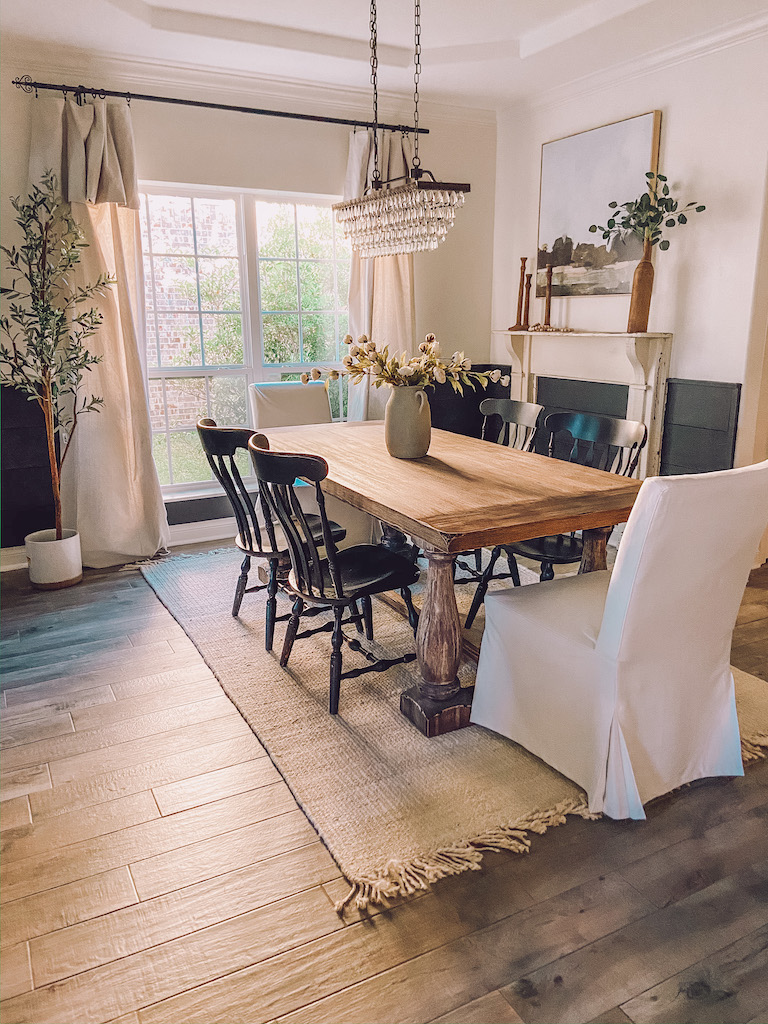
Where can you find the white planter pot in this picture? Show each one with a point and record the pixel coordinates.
(53, 563)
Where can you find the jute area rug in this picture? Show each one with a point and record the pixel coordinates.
(397, 811)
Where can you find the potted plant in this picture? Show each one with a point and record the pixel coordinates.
(44, 353)
(645, 217)
(407, 420)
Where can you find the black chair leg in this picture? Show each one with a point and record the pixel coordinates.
(413, 617)
(482, 587)
(336, 641)
(367, 617)
(242, 583)
(291, 631)
(358, 616)
(547, 572)
(271, 604)
(513, 570)
(478, 559)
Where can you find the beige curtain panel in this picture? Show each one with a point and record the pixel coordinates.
(110, 490)
(381, 301)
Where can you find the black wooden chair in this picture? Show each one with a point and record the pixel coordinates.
(254, 538)
(340, 579)
(515, 424)
(602, 442)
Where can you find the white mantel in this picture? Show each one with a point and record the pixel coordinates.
(639, 361)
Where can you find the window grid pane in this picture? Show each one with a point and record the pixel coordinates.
(194, 310)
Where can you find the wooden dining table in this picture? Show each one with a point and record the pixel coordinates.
(463, 495)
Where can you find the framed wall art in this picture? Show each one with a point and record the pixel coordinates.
(580, 175)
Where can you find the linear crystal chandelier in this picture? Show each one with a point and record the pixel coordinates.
(390, 219)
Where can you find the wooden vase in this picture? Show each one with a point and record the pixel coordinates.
(642, 286)
(407, 423)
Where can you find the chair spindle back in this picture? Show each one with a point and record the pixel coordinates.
(601, 442)
(519, 422)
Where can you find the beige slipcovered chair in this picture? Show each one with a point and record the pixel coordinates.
(621, 681)
(288, 403)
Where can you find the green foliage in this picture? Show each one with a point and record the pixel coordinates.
(648, 214)
(45, 355)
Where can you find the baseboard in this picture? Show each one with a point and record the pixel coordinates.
(13, 558)
(203, 531)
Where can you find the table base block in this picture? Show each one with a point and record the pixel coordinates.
(434, 717)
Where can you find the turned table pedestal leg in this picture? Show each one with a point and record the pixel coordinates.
(437, 704)
(593, 554)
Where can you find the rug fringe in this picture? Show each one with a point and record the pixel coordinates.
(403, 878)
(754, 747)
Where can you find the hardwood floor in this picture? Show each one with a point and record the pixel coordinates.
(156, 868)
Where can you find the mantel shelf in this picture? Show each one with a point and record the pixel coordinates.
(585, 334)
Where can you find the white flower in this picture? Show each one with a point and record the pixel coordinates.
(439, 374)
(347, 339)
(505, 380)
(347, 360)
(495, 375)
(424, 347)
(435, 349)
(407, 371)
(333, 375)
(354, 350)
(370, 346)
(429, 338)
(315, 373)
(466, 364)
(457, 357)
(305, 378)
(363, 339)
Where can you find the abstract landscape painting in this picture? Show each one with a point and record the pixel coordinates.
(580, 175)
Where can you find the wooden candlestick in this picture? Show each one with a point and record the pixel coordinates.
(526, 309)
(548, 296)
(518, 325)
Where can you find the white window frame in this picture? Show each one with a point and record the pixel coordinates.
(253, 368)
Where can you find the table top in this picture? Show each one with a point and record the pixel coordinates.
(465, 493)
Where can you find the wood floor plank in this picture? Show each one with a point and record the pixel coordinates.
(136, 843)
(16, 975)
(613, 1016)
(76, 826)
(25, 663)
(65, 906)
(188, 752)
(150, 682)
(103, 668)
(85, 623)
(102, 715)
(615, 969)
(152, 922)
(727, 987)
(145, 747)
(24, 781)
(128, 1018)
(138, 980)
(44, 727)
(491, 1008)
(67, 747)
(281, 827)
(425, 957)
(201, 789)
(15, 812)
(33, 709)
(167, 631)
(686, 867)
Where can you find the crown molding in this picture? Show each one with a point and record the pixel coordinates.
(693, 48)
(143, 74)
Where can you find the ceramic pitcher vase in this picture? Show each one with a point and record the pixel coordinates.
(407, 423)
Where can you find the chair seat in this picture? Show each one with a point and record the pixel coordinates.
(315, 524)
(367, 569)
(559, 550)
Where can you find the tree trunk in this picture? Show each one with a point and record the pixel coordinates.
(50, 433)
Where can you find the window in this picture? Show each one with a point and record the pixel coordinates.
(238, 287)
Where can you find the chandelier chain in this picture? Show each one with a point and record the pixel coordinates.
(374, 82)
(416, 75)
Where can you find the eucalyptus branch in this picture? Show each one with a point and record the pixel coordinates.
(647, 215)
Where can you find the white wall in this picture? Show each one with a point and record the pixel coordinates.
(198, 146)
(710, 286)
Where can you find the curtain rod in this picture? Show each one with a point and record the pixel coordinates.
(80, 92)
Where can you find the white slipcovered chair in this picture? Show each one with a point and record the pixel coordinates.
(289, 403)
(621, 681)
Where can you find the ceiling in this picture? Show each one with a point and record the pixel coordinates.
(482, 54)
